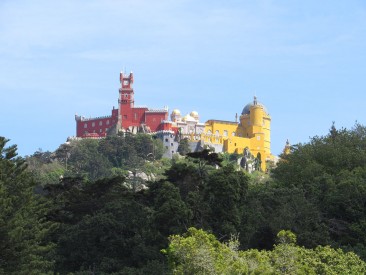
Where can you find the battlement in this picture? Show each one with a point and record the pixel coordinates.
(164, 110)
(81, 118)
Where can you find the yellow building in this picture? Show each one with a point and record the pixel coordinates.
(253, 131)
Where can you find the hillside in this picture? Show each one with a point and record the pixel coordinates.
(79, 211)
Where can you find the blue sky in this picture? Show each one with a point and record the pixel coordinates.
(305, 60)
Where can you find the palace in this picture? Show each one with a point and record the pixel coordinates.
(126, 118)
(249, 136)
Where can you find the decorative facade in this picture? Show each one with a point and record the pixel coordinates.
(252, 132)
(251, 135)
(127, 118)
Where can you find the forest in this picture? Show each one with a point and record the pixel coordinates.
(115, 206)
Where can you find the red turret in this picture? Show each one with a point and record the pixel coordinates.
(126, 117)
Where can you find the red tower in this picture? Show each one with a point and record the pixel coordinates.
(126, 118)
(126, 99)
(129, 115)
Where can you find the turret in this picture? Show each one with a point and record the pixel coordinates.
(175, 116)
(287, 149)
(126, 81)
(256, 113)
(126, 99)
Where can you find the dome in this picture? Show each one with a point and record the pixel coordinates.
(188, 118)
(176, 112)
(194, 114)
(246, 109)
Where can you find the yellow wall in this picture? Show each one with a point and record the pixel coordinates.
(253, 131)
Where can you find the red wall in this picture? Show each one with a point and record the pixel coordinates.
(133, 117)
(99, 130)
(153, 120)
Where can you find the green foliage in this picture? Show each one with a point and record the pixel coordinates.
(23, 246)
(286, 237)
(331, 172)
(225, 193)
(198, 252)
(183, 147)
(97, 159)
(104, 226)
(86, 160)
(102, 222)
(171, 215)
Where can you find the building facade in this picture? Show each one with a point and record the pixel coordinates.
(252, 133)
(127, 118)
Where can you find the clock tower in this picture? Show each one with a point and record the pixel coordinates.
(126, 99)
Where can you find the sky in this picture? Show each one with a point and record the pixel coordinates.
(304, 60)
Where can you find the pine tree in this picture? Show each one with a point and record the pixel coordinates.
(23, 229)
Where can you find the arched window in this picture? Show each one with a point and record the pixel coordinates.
(225, 133)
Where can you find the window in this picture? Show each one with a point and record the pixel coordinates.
(209, 132)
(93, 124)
(124, 116)
(217, 133)
(135, 116)
(107, 122)
(166, 140)
(171, 144)
(233, 134)
(225, 133)
(100, 123)
(100, 130)
(258, 137)
(86, 125)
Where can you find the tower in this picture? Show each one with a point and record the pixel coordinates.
(287, 149)
(126, 99)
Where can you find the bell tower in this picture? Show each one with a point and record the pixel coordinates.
(126, 98)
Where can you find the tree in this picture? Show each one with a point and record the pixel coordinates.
(24, 248)
(198, 252)
(104, 227)
(225, 193)
(183, 147)
(171, 214)
(85, 159)
(330, 171)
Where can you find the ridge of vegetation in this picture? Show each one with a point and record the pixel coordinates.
(109, 206)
